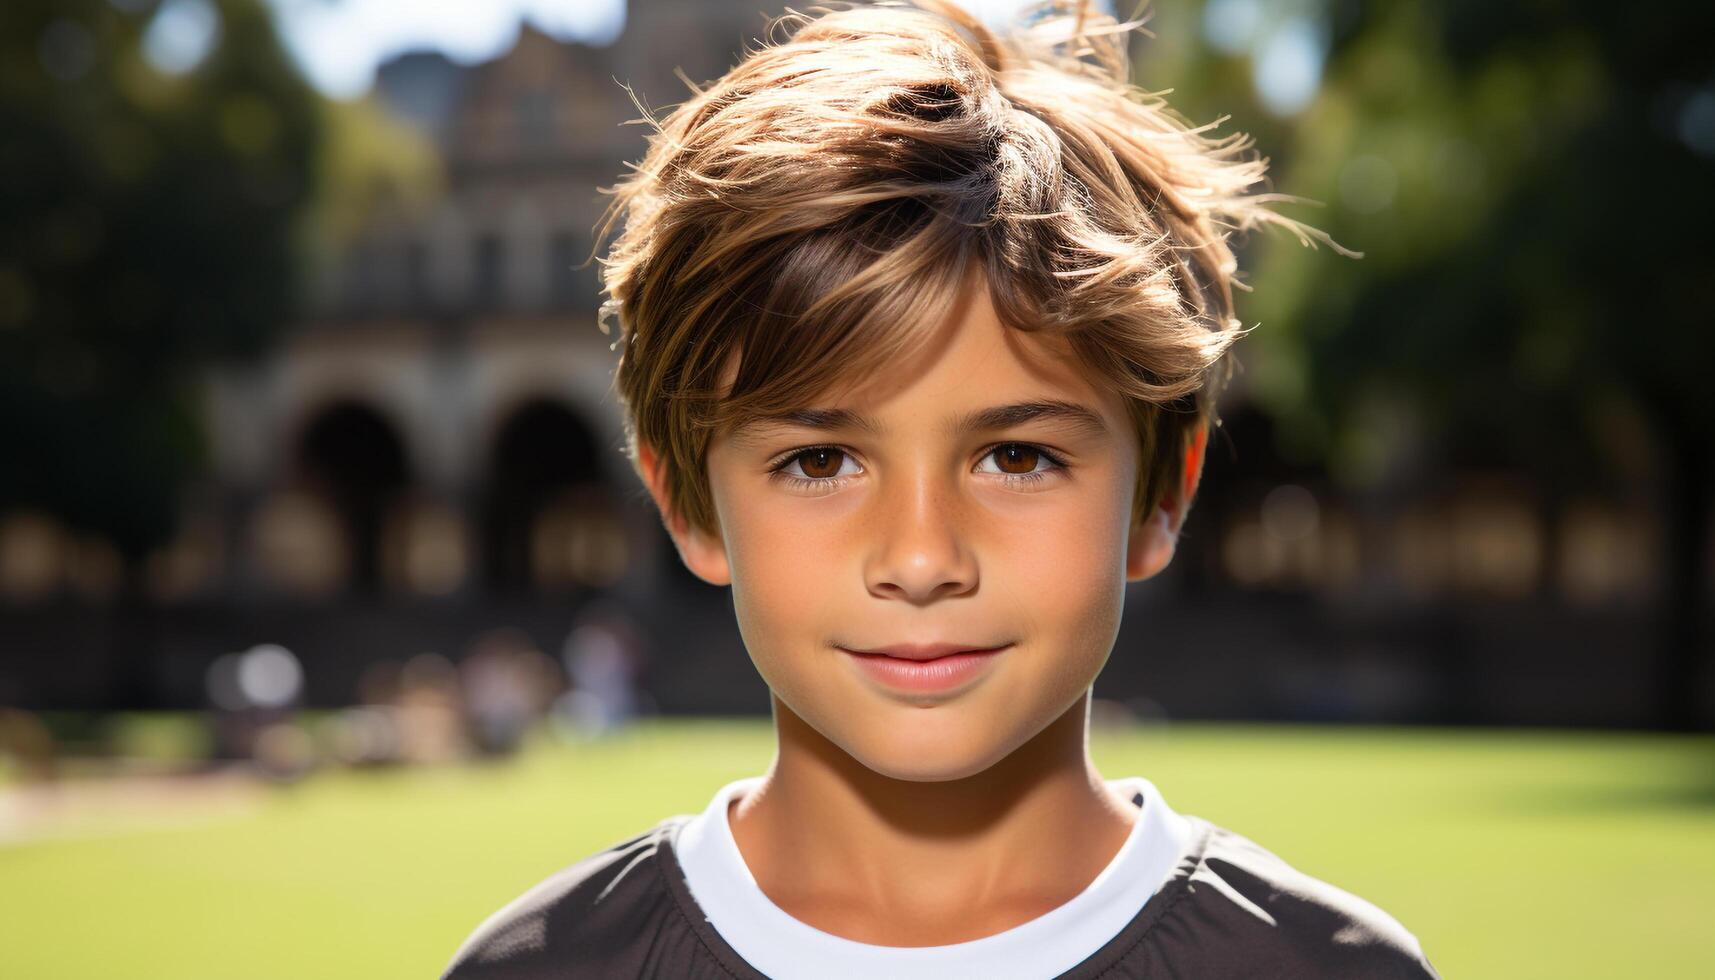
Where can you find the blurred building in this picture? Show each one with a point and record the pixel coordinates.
(434, 452)
(443, 423)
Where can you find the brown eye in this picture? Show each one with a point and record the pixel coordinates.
(1023, 457)
(821, 464)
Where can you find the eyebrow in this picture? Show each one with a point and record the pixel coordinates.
(1069, 414)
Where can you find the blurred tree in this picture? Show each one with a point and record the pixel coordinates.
(1530, 185)
(155, 160)
(372, 166)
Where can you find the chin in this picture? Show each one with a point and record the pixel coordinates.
(924, 755)
(920, 770)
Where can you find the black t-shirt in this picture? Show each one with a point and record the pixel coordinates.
(1229, 908)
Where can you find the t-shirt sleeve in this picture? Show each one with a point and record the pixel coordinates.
(1299, 925)
(608, 915)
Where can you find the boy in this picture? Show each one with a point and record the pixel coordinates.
(921, 330)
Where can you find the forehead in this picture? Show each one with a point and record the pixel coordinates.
(971, 371)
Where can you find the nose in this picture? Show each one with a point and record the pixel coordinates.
(920, 553)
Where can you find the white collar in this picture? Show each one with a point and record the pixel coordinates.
(785, 948)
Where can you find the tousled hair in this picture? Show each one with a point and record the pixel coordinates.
(815, 212)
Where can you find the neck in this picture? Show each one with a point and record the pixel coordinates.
(897, 862)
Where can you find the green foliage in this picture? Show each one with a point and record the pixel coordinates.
(1530, 186)
(147, 225)
(1530, 214)
(370, 162)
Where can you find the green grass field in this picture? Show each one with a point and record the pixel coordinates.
(1510, 855)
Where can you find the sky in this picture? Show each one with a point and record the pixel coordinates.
(339, 43)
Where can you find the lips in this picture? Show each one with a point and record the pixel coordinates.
(926, 651)
(927, 670)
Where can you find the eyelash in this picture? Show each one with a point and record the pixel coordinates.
(778, 468)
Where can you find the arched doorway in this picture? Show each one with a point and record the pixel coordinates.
(549, 519)
(350, 456)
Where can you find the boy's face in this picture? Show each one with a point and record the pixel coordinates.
(921, 530)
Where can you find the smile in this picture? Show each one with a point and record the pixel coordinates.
(933, 675)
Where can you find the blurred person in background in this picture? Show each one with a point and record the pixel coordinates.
(603, 655)
(508, 686)
(430, 712)
(255, 697)
(27, 747)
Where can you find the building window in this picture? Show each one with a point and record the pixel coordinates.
(360, 279)
(416, 276)
(535, 114)
(571, 287)
(490, 268)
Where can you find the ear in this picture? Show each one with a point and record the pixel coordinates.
(702, 553)
(1152, 542)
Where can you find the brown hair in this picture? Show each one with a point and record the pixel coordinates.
(815, 211)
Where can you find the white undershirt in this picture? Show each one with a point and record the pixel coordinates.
(785, 948)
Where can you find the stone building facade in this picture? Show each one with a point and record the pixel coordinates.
(443, 421)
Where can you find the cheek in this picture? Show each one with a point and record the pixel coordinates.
(787, 568)
(1066, 571)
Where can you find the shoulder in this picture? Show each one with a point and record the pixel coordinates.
(604, 912)
(1261, 909)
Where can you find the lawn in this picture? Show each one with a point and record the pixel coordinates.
(1510, 855)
